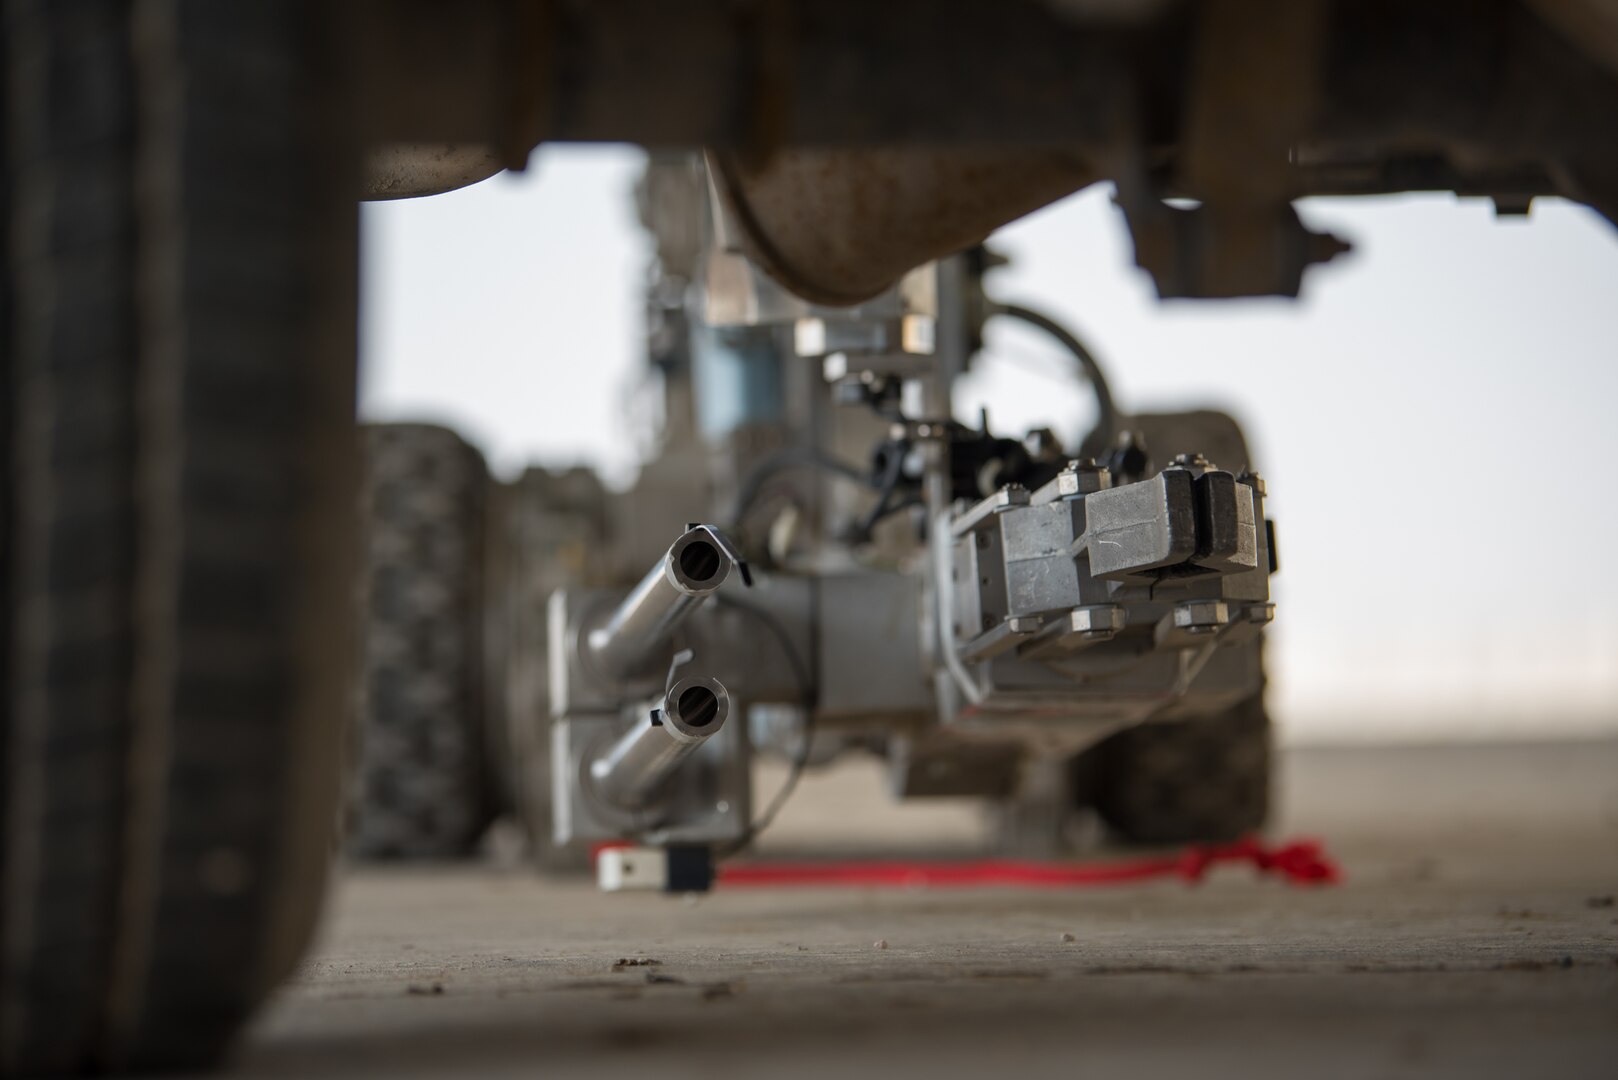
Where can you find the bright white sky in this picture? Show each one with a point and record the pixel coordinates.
(1436, 417)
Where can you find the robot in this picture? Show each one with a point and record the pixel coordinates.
(864, 572)
(837, 564)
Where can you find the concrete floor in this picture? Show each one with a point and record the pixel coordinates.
(1476, 935)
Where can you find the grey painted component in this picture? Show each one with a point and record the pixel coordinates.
(1079, 478)
(1126, 599)
(1076, 629)
(1002, 637)
(1188, 622)
(547, 530)
(1041, 573)
(1141, 527)
(981, 513)
(870, 649)
(1228, 532)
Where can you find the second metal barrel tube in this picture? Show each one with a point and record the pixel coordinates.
(630, 772)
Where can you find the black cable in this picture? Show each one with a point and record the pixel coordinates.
(892, 474)
(791, 457)
(806, 693)
(1106, 413)
(909, 502)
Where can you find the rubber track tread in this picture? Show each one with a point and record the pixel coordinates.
(1191, 781)
(421, 788)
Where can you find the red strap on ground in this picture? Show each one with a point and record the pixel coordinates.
(1300, 862)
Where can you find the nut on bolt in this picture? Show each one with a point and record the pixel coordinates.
(1201, 616)
(1096, 619)
(1092, 475)
(1077, 478)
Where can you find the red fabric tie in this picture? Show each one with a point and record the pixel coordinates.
(1300, 862)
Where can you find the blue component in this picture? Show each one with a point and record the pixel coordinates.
(736, 372)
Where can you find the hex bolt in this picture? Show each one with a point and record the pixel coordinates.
(1201, 616)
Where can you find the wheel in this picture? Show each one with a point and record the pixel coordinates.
(422, 788)
(178, 384)
(1186, 781)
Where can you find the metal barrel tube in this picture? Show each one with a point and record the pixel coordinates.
(629, 773)
(694, 566)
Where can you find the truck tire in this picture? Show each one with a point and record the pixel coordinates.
(177, 374)
(1186, 781)
(422, 788)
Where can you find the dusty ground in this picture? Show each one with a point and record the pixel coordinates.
(1476, 936)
